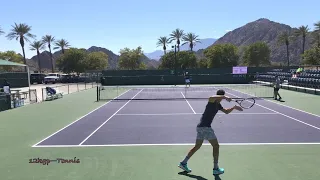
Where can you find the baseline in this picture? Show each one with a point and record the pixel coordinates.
(178, 114)
(174, 144)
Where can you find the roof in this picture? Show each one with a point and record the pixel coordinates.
(9, 63)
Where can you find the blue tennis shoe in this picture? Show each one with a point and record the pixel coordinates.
(218, 171)
(184, 167)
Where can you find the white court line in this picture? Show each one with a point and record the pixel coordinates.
(188, 103)
(178, 114)
(280, 104)
(79, 119)
(109, 118)
(178, 144)
(281, 114)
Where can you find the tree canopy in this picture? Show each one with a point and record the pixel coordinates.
(96, 61)
(131, 59)
(257, 54)
(222, 55)
(79, 60)
(312, 56)
(184, 59)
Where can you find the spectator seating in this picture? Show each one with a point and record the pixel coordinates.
(308, 78)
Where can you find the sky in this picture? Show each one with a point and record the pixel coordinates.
(116, 24)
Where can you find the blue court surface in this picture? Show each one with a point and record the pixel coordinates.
(173, 122)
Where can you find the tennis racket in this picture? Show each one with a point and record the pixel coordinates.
(245, 103)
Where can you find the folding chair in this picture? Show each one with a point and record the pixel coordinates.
(51, 96)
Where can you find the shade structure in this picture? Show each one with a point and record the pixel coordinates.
(9, 63)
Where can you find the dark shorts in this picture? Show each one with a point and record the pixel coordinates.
(276, 89)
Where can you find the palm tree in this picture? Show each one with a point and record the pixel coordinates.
(21, 32)
(177, 35)
(163, 41)
(37, 46)
(61, 44)
(316, 35)
(284, 38)
(192, 39)
(317, 26)
(1, 32)
(48, 39)
(302, 31)
(316, 39)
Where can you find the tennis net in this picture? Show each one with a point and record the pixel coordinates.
(195, 92)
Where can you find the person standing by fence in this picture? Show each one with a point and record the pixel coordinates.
(7, 92)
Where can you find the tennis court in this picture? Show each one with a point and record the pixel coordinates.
(145, 131)
(168, 115)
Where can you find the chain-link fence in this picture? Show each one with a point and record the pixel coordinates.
(68, 88)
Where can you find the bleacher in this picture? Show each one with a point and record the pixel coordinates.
(309, 78)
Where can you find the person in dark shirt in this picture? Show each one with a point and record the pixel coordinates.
(51, 90)
(276, 88)
(205, 131)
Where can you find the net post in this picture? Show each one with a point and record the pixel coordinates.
(97, 93)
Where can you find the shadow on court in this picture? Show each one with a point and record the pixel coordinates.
(216, 177)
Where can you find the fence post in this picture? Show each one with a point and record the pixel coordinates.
(97, 93)
(42, 94)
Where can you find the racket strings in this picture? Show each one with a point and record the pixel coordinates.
(247, 103)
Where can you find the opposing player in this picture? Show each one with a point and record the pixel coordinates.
(205, 132)
(276, 88)
(187, 79)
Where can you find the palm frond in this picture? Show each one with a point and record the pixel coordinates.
(37, 45)
(283, 38)
(317, 26)
(176, 34)
(62, 43)
(48, 39)
(302, 31)
(191, 38)
(20, 31)
(163, 41)
(1, 31)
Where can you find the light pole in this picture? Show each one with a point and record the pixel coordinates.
(175, 59)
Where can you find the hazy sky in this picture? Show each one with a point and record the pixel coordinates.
(117, 24)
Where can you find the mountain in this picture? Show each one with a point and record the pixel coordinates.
(267, 31)
(112, 61)
(154, 55)
(204, 43)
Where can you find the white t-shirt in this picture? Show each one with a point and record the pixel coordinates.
(277, 83)
(6, 89)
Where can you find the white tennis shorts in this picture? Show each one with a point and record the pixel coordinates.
(205, 133)
(187, 80)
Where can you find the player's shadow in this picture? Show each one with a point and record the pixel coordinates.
(216, 177)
